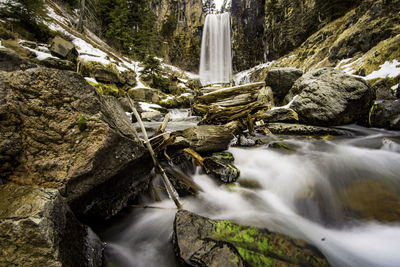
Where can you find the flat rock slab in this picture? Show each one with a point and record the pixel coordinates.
(199, 241)
(300, 129)
(37, 228)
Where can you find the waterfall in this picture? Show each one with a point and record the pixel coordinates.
(216, 58)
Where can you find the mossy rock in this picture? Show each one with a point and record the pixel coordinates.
(196, 237)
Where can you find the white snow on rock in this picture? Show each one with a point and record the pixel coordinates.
(243, 77)
(389, 69)
(89, 79)
(149, 107)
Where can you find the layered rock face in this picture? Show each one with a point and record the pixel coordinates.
(248, 25)
(58, 132)
(180, 24)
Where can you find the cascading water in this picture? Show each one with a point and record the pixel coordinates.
(306, 193)
(216, 58)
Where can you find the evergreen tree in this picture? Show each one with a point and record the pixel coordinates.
(209, 7)
(29, 13)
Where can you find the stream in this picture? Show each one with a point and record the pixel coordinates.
(341, 195)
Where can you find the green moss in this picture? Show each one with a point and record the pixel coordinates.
(82, 123)
(255, 259)
(226, 156)
(108, 89)
(281, 145)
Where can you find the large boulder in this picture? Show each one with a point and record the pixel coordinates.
(385, 114)
(37, 228)
(58, 132)
(199, 241)
(63, 49)
(328, 97)
(281, 80)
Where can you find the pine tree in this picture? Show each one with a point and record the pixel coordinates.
(29, 13)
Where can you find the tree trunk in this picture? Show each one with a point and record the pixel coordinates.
(81, 16)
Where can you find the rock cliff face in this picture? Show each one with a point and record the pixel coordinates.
(180, 24)
(248, 28)
(268, 29)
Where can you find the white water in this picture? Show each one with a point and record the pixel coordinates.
(216, 58)
(299, 195)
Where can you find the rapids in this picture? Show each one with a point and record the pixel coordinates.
(304, 194)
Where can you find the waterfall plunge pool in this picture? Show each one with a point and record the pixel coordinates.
(341, 195)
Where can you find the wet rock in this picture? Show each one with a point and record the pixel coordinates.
(58, 132)
(277, 115)
(385, 114)
(300, 129)
(282, 146)
(220, 167)
(371, 200)
(63, 49)
(208, 138)
(11, 61)
(37, 228)
(281, 80)
(328, 97)
(245, 140)
(199, 241)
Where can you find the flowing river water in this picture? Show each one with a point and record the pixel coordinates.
(342, 195)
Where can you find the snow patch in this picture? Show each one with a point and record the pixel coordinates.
(287, 105)
(89, 79)
(55, 16)
(244, 76)
(389, 69)
(149, 107)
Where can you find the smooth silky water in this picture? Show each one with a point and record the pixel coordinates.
(303, 194)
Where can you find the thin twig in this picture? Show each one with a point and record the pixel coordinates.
(170, 189)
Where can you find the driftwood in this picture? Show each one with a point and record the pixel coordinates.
(170, 189)
(196, 156)
(214, 114)
(234, 96)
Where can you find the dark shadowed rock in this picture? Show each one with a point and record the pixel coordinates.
(218, 167)
(58, 132)
(11, 61)
(328, 97)
(57, 63)
(385, 114)
(37, 228)
(281, 80)
(199, 241)
(208, 138)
